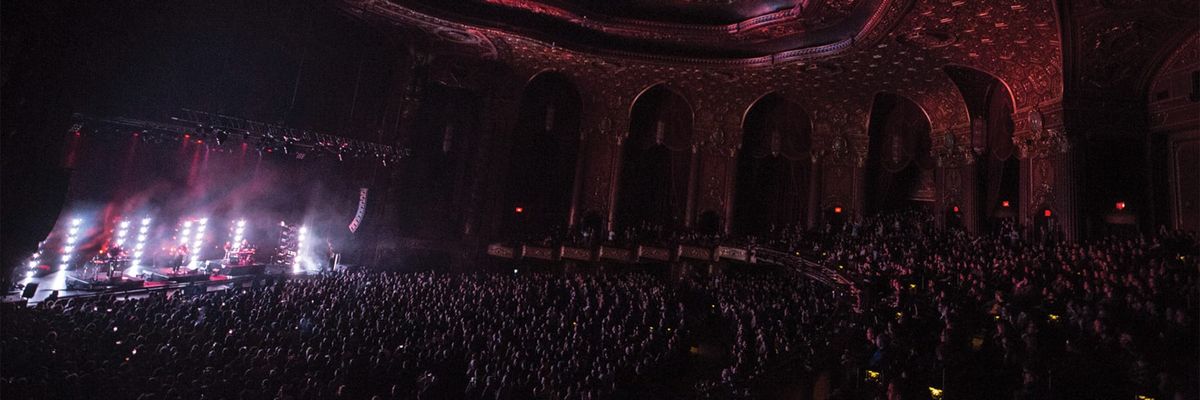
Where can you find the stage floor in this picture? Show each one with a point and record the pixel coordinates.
(73, 283)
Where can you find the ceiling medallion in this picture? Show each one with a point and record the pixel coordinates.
(927, 39)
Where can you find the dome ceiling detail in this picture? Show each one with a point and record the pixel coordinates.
(696, 28)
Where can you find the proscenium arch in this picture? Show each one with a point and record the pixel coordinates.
(773, 165)
(543, 158)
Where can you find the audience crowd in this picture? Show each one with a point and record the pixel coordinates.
(993, 316)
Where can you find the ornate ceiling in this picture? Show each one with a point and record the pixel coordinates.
(696, 28)
(899, 46)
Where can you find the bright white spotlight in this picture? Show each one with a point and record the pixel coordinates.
(125, 224)
(68, 249)
(144, 229)
(187, 224)
(76, 222)
(33, 264)
(73, 231)
(66, 257)
(203, 221)
(28, 274)
(146, 221)
(297, 264)
(241, 223)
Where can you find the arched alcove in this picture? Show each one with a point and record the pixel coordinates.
(656, 161)
(544, 148)
(773, 166)
(443, 141)
(899, 167)
(997, 170)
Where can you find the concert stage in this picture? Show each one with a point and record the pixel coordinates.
(87, 282)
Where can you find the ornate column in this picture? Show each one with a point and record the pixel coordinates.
(718, 132)
(599, 166)
(1051, 175)
(814, 191)
(955, 177)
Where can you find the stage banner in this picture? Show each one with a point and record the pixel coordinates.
(362, 210)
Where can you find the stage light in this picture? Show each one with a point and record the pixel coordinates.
(837, 210)
(198, 244)
(299, 257)
(519, 210)
(873, 375)
(28, 274)
(935, 393)
(1004, 204)
(1047, 213)
(124, 225)
(72, 237)
(242, 223)
(1120, 205)
(135, 265)
(956, 209)
(33, 264)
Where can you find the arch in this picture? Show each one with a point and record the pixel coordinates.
(996, 175)
(1012, 99)
(543, 157)
(661, 85)
(773, 166)
(899, 165)
(656, 162)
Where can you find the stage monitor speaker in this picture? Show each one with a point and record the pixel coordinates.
(30, 290)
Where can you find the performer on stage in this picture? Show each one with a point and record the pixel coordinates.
(181, 254)
(115, 256)
(332, 257)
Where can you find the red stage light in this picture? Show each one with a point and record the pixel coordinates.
(1120, 205)
(519, 210)
(187, 135)
(837, 210)
(1004, 204)
(1047, 213)
(956, 209)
